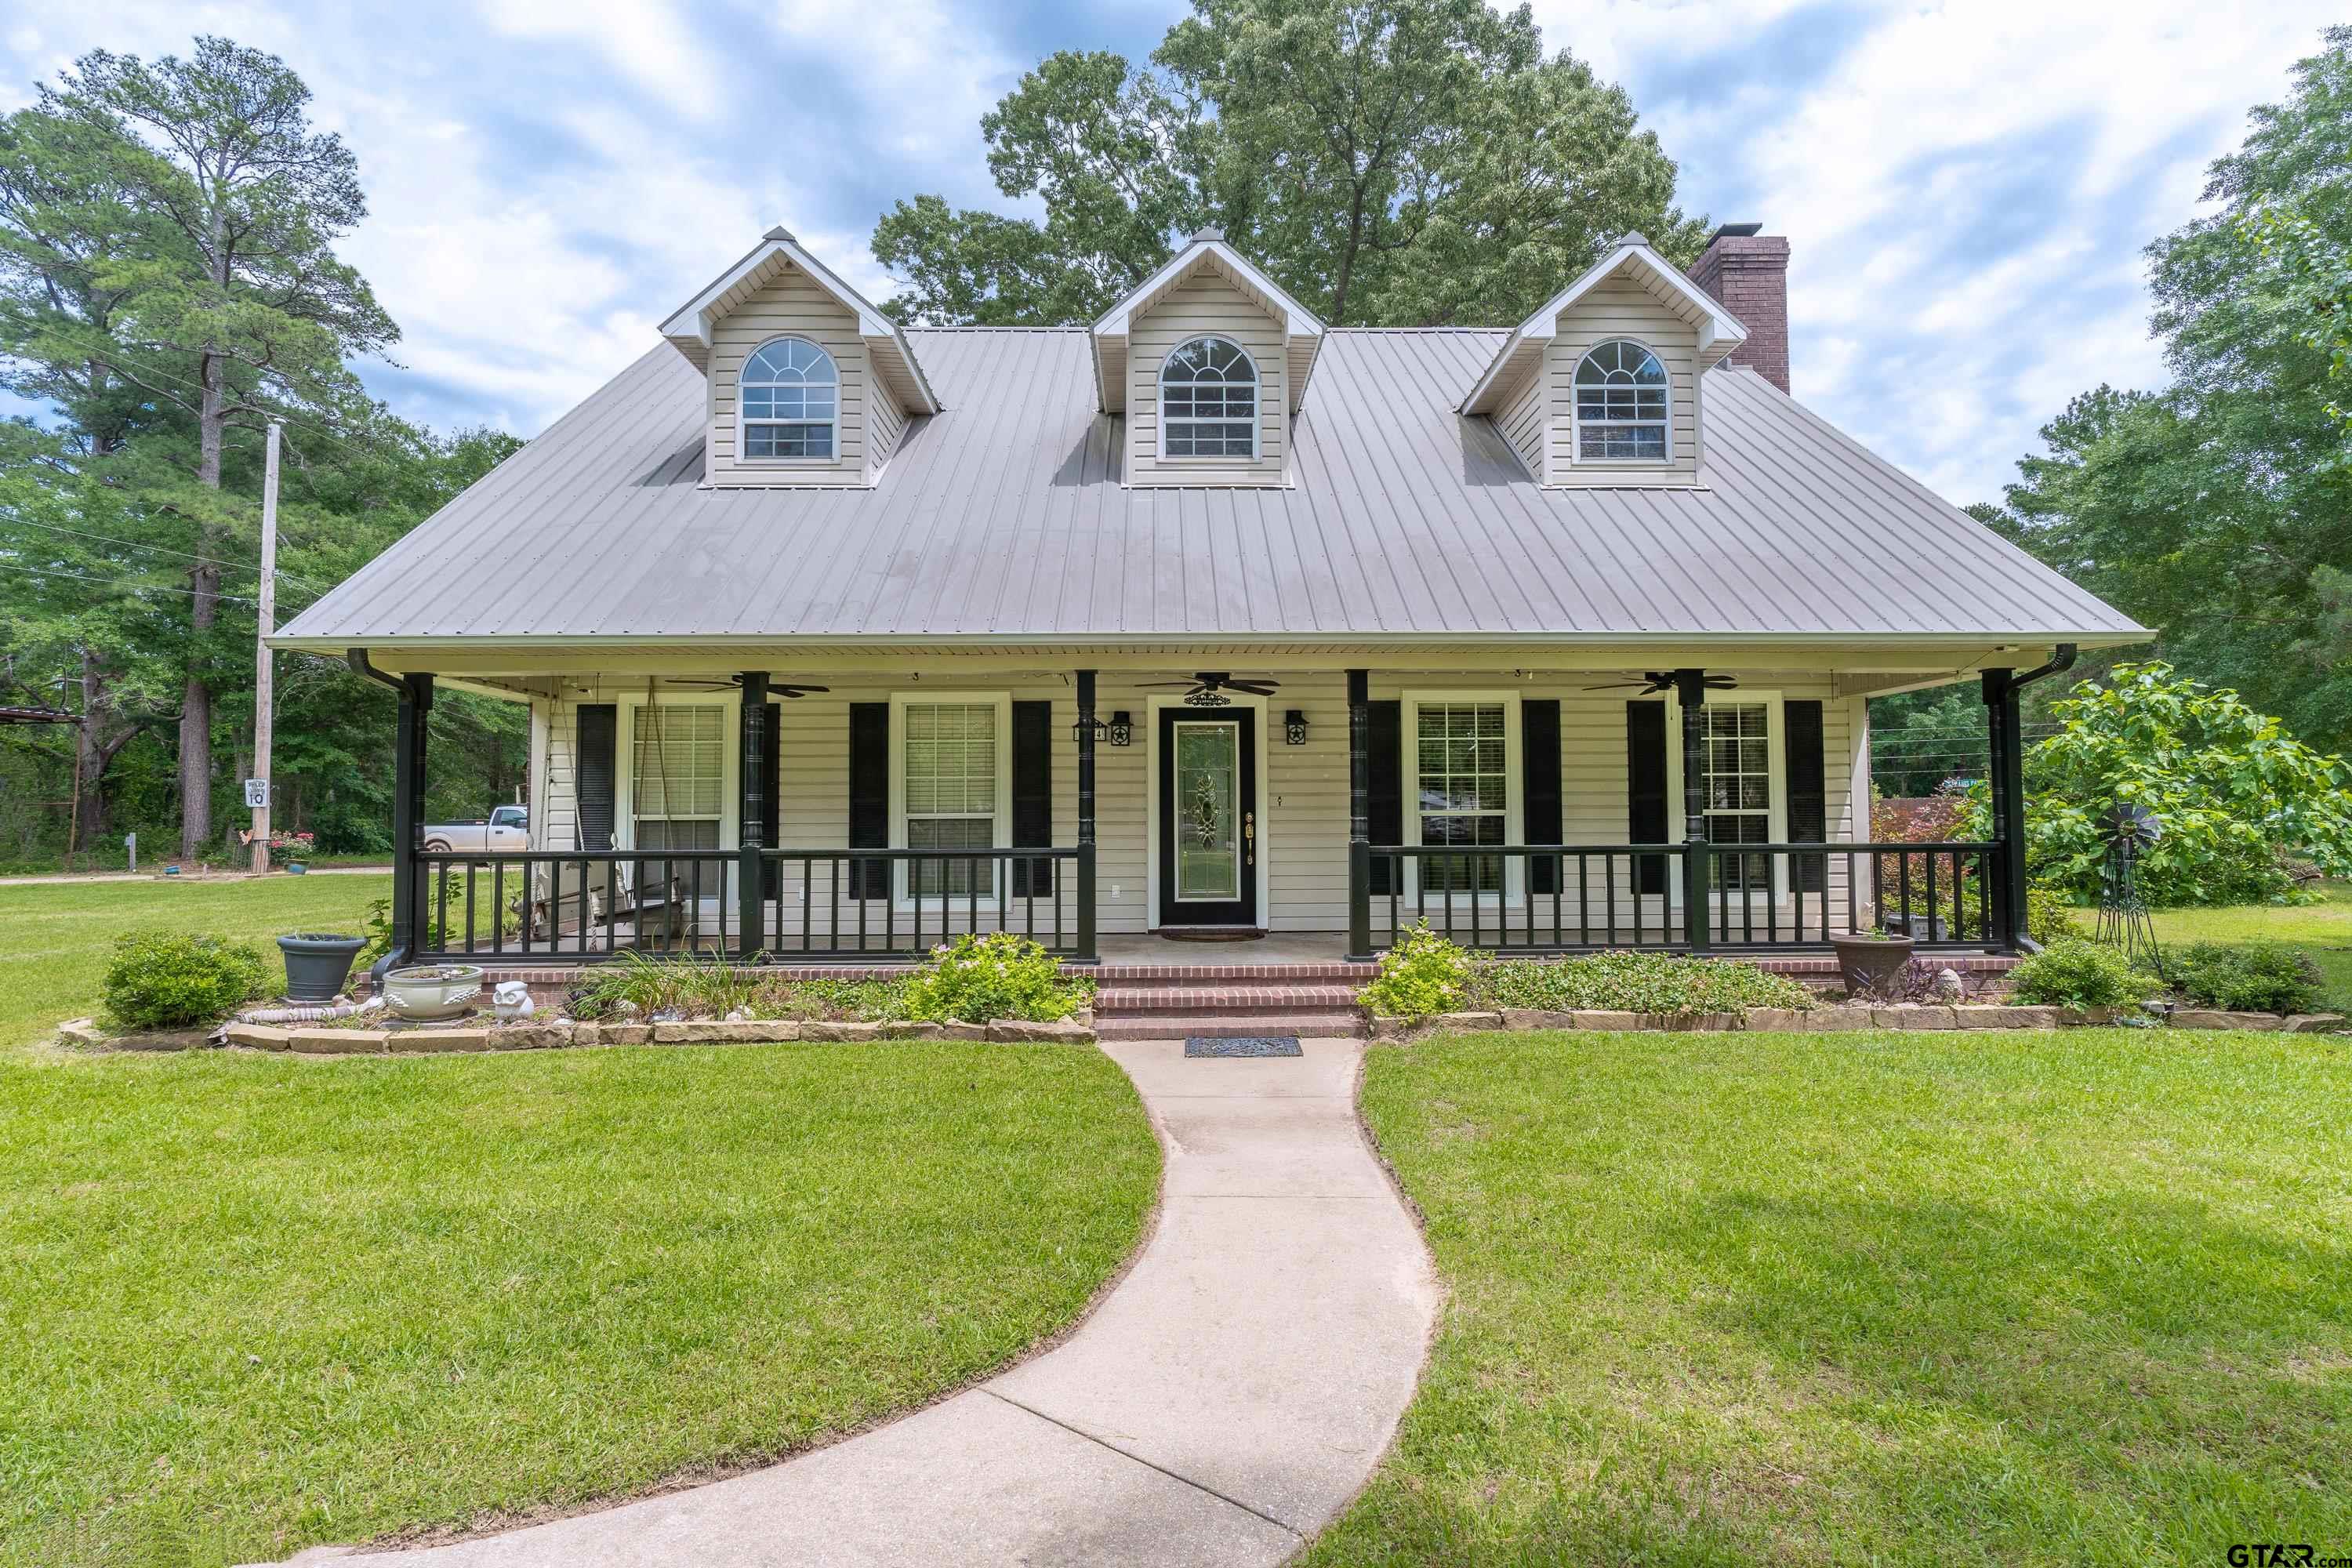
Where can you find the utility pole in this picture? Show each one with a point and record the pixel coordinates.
(262, 670)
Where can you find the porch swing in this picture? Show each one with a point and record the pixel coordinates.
(663, 916)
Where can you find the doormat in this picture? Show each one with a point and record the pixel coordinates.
(1244, 1045)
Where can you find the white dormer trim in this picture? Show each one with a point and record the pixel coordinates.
(1719, 331)
(1299, 325)
(690, 328)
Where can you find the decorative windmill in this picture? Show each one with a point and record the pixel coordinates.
(2124, 920)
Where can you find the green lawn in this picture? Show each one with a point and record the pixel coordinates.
(2080, 1298)
(249, 1302)
(2323, 930)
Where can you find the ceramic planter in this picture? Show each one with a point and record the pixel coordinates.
(317, 964)
(1870, 965)
(433, 990)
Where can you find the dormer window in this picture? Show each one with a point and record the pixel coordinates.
(1621, 405)
(791, 401)
(1208, 401)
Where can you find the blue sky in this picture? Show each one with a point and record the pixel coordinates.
(1967, 187)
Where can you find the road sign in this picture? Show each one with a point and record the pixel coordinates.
(257, 793)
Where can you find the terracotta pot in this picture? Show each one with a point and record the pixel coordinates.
(1870, 965)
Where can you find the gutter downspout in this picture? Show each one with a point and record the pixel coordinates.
(2009, 794)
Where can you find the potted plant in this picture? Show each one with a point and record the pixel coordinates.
(433, 990)
(1871, 963)
(292, 849)
(317, 964)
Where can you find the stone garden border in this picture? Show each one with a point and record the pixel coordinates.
(429, 1039)
(1844, 1019)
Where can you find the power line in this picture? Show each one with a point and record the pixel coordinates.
(160, 549)
(127, 585)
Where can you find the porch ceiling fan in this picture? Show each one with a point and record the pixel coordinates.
(775, 688)
(1207, 688)
(1656, 680)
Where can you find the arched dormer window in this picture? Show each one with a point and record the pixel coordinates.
(1208, 401)
(791, 401)
(1621, 405)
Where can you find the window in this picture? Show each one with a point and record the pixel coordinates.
(1738, 786)
(790, 399)
(1621, 405)
(950, 778)
(677, 781)
(1463, 792)
(1208, 402)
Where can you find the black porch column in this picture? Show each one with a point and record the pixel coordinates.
(751, 815)
(1360, 814)
(2006, 778)
(1690, 691)
(408, 820)
(1086, 734)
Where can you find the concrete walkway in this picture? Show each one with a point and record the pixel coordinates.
(1225, 1403)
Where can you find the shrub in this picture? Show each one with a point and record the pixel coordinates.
(2077, 973)
(1001, 975)
(1633, 983)
(2249, 977)
(1421, 975)
(1920, 980)
(2049, 915)
(169, 979)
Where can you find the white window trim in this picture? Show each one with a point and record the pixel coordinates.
(625, 787)
(743, 424)
(1776, 738)
(1001, 832)
(1257, 406)
(1153, 705)
(1576, 457)
(1514, 890)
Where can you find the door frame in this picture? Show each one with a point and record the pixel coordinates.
(1153, 706)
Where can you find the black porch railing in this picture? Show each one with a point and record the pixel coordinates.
(816, 905)
(1585, 897)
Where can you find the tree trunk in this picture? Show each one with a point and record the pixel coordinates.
(196, 698)
(102, 734)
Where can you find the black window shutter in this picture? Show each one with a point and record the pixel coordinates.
(771, 778)
(869, 795)
(1384, 800)
(1032, 795)
(1808, 807)
(1646, 790)
(1539, 786)
(591, 775)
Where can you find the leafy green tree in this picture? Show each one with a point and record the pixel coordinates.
(2230, 789)
(1388, 161)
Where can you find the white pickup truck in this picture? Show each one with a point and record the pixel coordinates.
(506, 830)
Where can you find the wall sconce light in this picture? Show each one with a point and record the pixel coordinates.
(1294, 727)
(1119, 732)
(1122, 729)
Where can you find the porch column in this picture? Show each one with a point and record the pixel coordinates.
(1086, 737)
(1360, 814)
(751, 815)
(2006, 778)
(1690, 691)
(408, 818)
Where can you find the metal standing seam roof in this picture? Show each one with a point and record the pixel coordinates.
(1004, 516)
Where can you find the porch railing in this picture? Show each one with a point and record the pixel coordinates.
(1582, 897)
(814, 905)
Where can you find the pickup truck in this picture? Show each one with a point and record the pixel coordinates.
(506, 830)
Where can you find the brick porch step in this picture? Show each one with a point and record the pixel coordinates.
(1344, 1023)
(1222, 997)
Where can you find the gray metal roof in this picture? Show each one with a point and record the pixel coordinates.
(1004, 516)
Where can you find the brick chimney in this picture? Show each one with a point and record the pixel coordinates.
(1748, 273)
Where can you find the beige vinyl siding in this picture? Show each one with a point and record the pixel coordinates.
(885, 428)
(1521, 421)
(1205, 304)
(554, 804)
(1621, 308)
(789, 305)
(1302, 818)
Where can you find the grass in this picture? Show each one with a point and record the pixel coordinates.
(250, 1302)
(2323, 930)
(2079, 1298)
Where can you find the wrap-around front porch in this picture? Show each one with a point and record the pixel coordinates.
(865, 821)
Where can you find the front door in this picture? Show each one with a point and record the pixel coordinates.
(1208, 817)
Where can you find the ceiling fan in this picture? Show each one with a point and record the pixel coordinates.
(775, 688)
(1207, 688)
(1656, 680)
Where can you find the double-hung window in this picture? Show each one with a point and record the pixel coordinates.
(1208, 401)
(790, 400)
(677, 781)
(1738, 786)
(951, 792)
(1461, 790)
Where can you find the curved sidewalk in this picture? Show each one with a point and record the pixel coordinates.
(1221, 1405)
